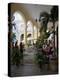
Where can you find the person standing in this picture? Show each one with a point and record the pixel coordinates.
(21, 51)
(16, 56)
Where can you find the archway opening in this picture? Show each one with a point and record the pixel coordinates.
(20, 25)
(29, 32)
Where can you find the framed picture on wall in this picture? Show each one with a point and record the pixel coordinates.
(32, 39)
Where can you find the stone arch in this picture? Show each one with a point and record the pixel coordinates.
(19, 17)
(30, 30)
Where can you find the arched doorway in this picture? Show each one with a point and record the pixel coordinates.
(24, 33)
(30, 32)
(20, 24)
(35, 34)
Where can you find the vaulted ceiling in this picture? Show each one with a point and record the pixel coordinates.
(30, 11)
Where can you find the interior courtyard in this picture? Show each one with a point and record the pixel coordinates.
(28, 25)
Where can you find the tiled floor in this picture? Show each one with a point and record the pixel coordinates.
(29, 68)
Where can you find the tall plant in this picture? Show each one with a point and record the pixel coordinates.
(10, 27)
(44, 18)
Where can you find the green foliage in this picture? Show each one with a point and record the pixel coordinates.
(41, 59)
(15, 55)
(13, 37)
(41, 39)
(54, 13)
(44, 17)
(44, 35)
(39, 56)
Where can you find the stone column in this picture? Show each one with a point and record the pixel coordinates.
(33, 33)
(25, 36)
(37, 31)
(39, 26)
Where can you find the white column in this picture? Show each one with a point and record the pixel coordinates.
(33, 33)
(25, 36)
(37, 31)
